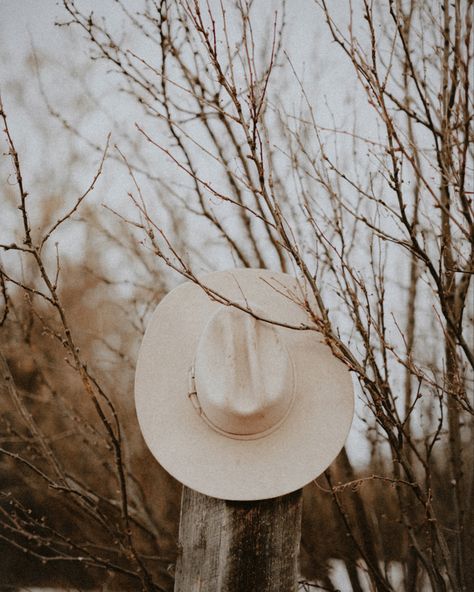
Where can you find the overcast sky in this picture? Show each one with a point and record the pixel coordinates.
(27, 25)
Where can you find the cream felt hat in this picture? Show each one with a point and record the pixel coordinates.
(240, 406)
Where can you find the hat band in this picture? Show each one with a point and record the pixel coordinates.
(193, 397)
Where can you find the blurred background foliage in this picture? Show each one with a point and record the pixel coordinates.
(315, 175)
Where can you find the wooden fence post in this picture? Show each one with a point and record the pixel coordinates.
(238, 546)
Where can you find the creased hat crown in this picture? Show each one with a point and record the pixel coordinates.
(244, 375)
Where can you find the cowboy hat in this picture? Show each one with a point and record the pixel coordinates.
(237, 396)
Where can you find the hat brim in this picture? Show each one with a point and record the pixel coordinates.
(288, 458)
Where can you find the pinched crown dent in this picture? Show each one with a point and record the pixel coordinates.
(244, 378)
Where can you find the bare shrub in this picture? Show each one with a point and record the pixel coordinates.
(378, 220)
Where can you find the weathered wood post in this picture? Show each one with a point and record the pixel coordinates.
(238, 546)
(239, 398)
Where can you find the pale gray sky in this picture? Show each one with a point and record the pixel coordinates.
(66, 74)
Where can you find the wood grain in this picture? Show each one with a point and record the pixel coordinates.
(229, 546)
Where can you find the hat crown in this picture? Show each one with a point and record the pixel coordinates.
(244, 375)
